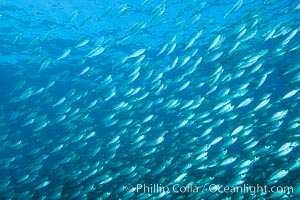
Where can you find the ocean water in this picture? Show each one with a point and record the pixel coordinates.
(149, 99)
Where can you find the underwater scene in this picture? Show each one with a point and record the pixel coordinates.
(128, 99)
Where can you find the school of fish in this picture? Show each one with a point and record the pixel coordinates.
(97, 99)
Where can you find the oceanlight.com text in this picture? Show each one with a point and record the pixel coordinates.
(211, 188)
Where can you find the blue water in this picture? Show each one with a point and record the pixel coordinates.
(32, 32)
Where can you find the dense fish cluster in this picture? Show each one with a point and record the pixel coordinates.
(101, 98)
